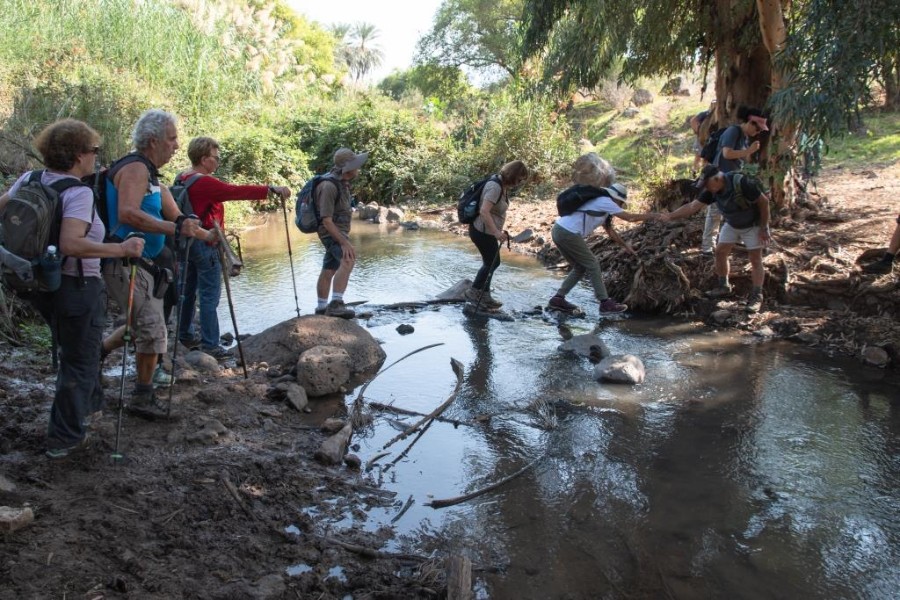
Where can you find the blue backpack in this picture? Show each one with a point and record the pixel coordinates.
(306, 213)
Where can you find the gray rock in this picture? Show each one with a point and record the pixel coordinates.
(456, 291)
(331, 426)
(410, 225)
(353, 462)
(808, 337)
(210, 431)
(296, 397)
(282, 344)
(581, 345)
(622, 368)
(367, 211)
(764, 332)
(630, 112)
(202, 362)
(405, 329)
(12, 519)
(641, 97)
(6, 485)
(720, 317)
(187, 377)
(331, 452)
(394, 215)
(875, 356)
(323, 370)
(673, 87)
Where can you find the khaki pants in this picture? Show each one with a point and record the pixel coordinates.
(148, 326)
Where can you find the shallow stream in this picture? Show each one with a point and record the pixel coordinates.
(741, 468)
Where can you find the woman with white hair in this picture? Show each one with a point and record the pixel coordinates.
(602, 200)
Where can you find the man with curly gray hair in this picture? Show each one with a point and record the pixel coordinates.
(136, 202)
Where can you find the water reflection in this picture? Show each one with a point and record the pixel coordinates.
(739, 469)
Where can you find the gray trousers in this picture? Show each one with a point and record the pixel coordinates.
(711, 227)
(575, 250)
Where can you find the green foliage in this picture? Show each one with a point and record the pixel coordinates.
(878, 144)
(479, 34)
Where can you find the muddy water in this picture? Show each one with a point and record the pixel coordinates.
(740, 469)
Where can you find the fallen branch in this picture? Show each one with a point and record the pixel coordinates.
(409, 502)
(375, 459)
(357, 404)
(458, 369)
(484, 490)
(412, 413)
(371, 552)
(237, 496)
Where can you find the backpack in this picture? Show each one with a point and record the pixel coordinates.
(711, 147)
(32, 222)
(98, 182)
(306, 213)
(469, 203)
(570, 200)
(179, 189)
(738, 211)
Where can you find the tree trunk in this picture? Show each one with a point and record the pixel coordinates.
(890, 80)
(743, 71)
(781, 161)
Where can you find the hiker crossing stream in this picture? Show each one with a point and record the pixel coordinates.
(756, 467)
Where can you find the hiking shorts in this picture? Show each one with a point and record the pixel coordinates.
(147, 323)
(749, 236)
(333, 254)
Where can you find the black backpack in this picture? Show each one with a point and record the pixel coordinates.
(98, 180)
(469, 203)
(570, 200)
(711, 147)
(31, 222)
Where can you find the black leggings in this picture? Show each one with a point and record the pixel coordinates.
(489, 248)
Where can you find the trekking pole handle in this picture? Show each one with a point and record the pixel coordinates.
(133, 234)
(508, 246)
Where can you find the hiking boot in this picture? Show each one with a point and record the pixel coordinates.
(161, 378)
(337, 308)
(146, 405)
(489, 301)
(217, 352)
(193, 342)
(320, 311)
(879, 267)
(610, 306)
(754, 303)
(561, 304)
(59, 453)
(720, 291)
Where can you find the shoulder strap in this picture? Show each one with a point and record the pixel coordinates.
(66, 183)
(35, 176)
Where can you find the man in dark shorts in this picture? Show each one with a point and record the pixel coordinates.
(332, 197)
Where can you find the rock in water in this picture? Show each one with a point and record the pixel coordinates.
(623, 368)
(331, 452)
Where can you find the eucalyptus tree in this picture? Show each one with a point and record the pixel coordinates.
(810, 62)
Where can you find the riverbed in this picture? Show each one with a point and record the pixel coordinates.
(742, 467)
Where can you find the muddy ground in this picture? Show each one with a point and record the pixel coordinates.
(220, 503)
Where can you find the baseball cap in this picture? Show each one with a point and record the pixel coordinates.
(707, 172)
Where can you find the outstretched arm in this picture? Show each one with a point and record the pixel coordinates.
(683, 212)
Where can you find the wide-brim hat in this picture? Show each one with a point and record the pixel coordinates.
(618, 192)
(347, 160)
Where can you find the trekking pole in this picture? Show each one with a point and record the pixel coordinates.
(126, 338)
(181, 283)
(287, 234)
(227, 277)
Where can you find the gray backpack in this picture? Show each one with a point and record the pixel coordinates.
(30, 223)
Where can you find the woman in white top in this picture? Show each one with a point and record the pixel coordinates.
(486, 232)
(569, 233)
(78, 308)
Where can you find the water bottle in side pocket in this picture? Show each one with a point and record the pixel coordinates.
(51, 265)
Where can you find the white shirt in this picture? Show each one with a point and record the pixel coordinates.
(582, 223)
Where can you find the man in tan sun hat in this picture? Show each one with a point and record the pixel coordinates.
(333, 204)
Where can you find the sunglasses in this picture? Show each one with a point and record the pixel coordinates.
(94, 150)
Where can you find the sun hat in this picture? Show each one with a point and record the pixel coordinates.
(618, 192)
(347, 160)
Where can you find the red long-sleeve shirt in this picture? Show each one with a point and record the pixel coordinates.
(208, 193)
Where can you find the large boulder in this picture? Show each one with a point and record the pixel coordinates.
(642, 97)
(622, 368)
(282, 344)
(323, 370)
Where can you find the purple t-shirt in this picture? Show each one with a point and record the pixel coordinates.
(78, 203)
